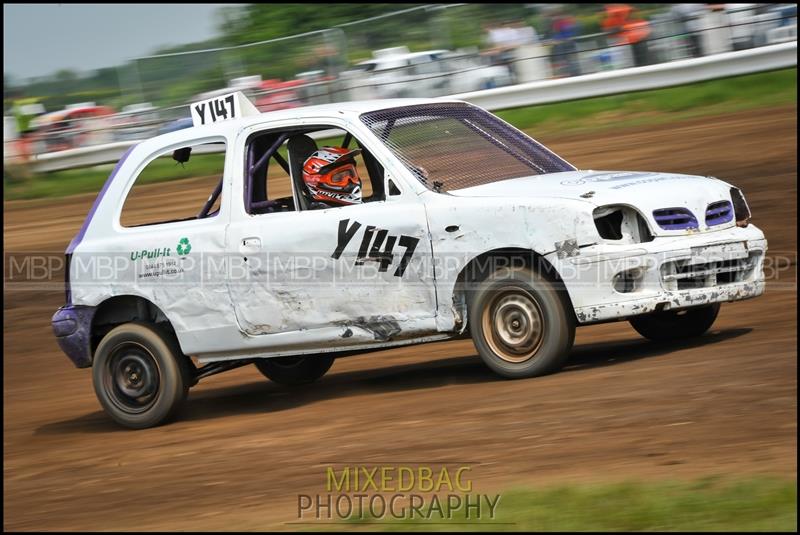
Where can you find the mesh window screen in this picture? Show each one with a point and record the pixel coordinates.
(459, 145)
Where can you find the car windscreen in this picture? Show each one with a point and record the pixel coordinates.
(453, 145)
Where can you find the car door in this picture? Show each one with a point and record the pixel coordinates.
(167, 241)
(344, 276)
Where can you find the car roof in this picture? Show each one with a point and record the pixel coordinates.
(350, 109)
(342, 108)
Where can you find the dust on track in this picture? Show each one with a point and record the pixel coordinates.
(244, 448)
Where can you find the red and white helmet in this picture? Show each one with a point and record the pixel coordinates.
(330, 176)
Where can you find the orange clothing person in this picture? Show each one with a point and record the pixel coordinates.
(620, 23)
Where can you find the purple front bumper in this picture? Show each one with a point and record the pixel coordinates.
(72, 326)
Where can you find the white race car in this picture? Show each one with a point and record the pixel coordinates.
(468, 227)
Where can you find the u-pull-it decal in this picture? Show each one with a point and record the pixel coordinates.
(377, 245)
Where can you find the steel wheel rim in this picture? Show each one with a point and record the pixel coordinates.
(513, 324)
(132, 379)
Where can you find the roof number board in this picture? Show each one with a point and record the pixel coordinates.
(214, 110)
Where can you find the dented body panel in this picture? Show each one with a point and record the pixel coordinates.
(386, 273)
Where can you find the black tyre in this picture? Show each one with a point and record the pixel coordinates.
(676, 325)
(140, 376)
(294, 371)
(520, 323)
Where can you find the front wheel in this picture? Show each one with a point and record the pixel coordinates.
(140, 376)
(294, 371)
(676, 324)
(520, 324)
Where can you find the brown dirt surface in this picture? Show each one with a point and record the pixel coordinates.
(243, 449)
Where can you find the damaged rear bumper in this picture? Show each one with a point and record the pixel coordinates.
(72, 326)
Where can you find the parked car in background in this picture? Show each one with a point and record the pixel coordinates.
(755, 25)
(397, 73)
(468, 71)
(75, 126)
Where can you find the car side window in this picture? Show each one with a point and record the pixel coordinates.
(274, 180)
(187, 180)
(268, 185)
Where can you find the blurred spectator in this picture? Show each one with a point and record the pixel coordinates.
(25, 110)
(716, 34)
(563, 56)
(498, 45)
(500, 38)
(504, 40)
(688, 18)
(625, 29)
(524, 34)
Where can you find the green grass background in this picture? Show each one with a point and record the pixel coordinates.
(714, 97)
(707, 504)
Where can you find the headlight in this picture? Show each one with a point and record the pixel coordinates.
(621, 224)
(740, 208)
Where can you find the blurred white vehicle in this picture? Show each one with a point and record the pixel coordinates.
(749, 24)
(759, 24)
(396, 72)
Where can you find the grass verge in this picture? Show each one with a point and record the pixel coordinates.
(768, 89)
(714, 97)
(709, 504)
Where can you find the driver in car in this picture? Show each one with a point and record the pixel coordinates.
(331, 177)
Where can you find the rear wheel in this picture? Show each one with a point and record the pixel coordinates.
(676, 324)
(140, 376)
(520, 324)
(294, 371)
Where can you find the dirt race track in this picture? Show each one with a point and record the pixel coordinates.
(244, 448)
